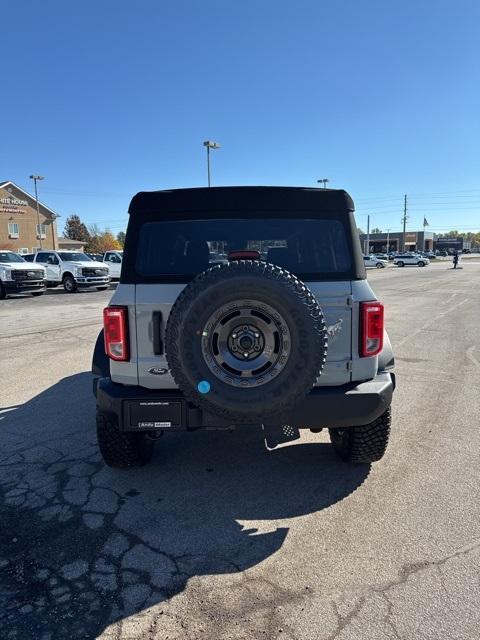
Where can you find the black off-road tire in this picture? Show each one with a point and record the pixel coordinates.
(232, 284)
(69, 284)
(363, 444)
(122, 449)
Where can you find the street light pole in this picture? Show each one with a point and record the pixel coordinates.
(388, 239)
(209, 144)
(324, 181)
(35, 178)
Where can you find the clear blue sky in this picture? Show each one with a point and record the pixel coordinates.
(107, 98)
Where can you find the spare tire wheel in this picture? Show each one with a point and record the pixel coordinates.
(245, 341)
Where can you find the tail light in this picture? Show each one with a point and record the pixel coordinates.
(115, 324)
(371, 328)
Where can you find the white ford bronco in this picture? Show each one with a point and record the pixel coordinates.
(74, 270)
(243, 306)
(18, 276)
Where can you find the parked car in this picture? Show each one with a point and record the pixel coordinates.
(382, 256)
(98, 257)
(373, 261)
(410, 259)
(18, 276)
(191, 346)
(113, 259)
(73, 269)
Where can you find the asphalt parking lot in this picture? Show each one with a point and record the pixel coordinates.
(219, 538)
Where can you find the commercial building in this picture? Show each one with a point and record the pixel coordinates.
(70, 245)
(22, 228)
(452, 244)
(383, 242)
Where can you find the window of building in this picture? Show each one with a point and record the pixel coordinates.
(13, 229)
(41, 231)
(23, 251)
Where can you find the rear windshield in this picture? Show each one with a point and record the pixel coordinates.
(182, 249)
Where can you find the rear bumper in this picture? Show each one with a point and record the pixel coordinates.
(137, 408)
(24, 286)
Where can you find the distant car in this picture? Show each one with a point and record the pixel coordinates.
(410, 259)
(442, 253)
(113, 259)
(382, 256)
(98, 257)
(373, 261)
(466, 251)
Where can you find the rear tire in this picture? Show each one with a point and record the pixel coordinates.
(421, 264)
(400, 264)
(362, 444)
(379, 265)
(69, 284)
(122, 449)
(38, 293)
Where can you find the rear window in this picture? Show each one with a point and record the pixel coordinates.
(177, 251)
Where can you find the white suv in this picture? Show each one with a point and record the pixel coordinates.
(410, 258)
(373, 261)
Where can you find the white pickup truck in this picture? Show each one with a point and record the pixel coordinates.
(18, 276)
(73, 269)
(113, 259)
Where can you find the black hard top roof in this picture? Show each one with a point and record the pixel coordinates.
(210, 200)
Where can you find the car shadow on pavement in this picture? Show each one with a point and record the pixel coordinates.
(83, 545)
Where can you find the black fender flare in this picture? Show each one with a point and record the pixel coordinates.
(100, 361)
(386, 359)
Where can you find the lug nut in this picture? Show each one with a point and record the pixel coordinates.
(246, 355)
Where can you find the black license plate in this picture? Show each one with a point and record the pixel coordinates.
(148, 415)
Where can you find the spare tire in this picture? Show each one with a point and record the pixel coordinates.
(246, 341)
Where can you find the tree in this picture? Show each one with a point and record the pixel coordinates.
(101, 241)
(376, 230)
(361, 232)
(109, 242)
(121, 238)
(75, 229)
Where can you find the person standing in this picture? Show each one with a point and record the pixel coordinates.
(455, 259)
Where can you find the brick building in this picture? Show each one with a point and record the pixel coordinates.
(21, 229)
(414, 241)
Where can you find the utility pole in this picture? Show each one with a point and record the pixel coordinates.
(209, 144)
(388, 239)
(367, 252)
(35, 178)
(404, 220)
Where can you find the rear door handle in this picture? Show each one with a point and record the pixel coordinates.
(157, 333)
